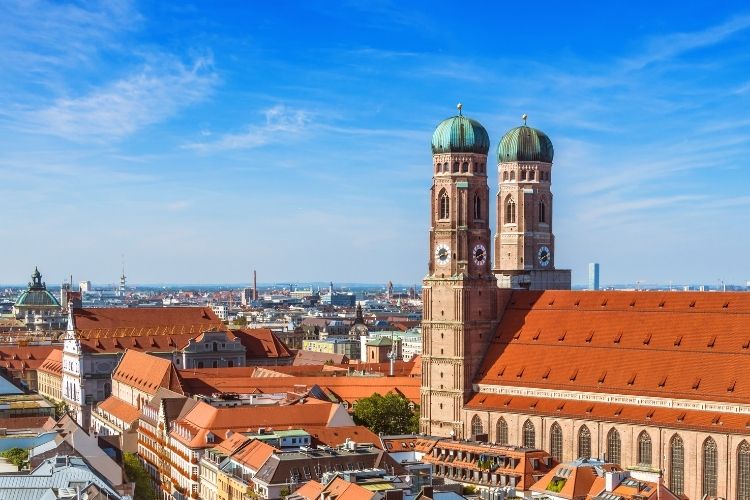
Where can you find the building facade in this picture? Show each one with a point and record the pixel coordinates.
(640, 379)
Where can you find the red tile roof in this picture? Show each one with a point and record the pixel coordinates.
(311, 490)
(204, 418)
(22, 358)
(262, 343)
(53, 363)
(119, 409)
(639, 343)
(336, 436)
(241, 380)
(155, 329)
(255, 454)
(146, 373)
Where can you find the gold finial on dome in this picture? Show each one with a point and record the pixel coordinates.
(459, 106)
(524, 117)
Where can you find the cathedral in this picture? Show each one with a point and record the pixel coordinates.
(647, 380)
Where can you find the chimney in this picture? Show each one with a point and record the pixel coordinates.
(255, 285)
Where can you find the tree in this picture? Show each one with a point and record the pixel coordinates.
(16, 456)
(61, 408)
(240, 321)
(135, 472)
(389, 414)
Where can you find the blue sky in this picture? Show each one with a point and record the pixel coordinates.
(204, 140)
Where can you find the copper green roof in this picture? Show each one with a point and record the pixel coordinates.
(37, 294)
(525, 144)
(460, 134)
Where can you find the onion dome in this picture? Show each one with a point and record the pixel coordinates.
(460, 134)
(525, 144)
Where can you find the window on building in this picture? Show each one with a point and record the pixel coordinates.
(523, 175)
(510, 211)
(477, 207)
(501, 431)
(556, 441)
(542, 211)
(199, 364)
(710, 469)
(476, 426)
(584, 442)
(613, 446)
(512, 176)
(505, 176)
(743, 471)
(445, 205)
(677, 465)
(465, 167)
(644, 448)
(455, 167)
(529, 435)
(531, 175)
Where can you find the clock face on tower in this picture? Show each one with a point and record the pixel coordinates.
(544, 256)
(443, 254)
(480, 255)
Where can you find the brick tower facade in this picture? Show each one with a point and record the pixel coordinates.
(460, 291)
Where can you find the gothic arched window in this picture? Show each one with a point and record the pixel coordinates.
(584, 442)
(644, 448)
(710, 472)
(476, 426)
(501, 431)
(542, 211)
(465, 166)
(531, 175)
(477, 207)
(613, 446)
(523, 175)
(512, 176)
(510, 211)
(676, 465)
(505, 176)
(743, 471)
(455, 167)
(445, 205)
(529, 435)
(556, 442)
(445, 167)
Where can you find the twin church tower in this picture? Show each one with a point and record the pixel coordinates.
(462, 304)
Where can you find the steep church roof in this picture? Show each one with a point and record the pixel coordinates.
(678, 345)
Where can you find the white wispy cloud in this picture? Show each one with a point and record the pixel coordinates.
(280, 122)
(154, 93)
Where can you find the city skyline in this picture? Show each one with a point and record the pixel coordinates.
(203, 143)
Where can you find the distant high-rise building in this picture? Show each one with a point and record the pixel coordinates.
(85, 286)
(247, 296)
(593, 276)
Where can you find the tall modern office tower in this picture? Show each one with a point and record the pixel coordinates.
(594, 276)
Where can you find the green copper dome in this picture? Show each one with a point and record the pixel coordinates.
(525, 144)
(460, 134)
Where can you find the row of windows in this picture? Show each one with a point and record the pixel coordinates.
(525, 175)
(465, 167)
(510, 211)
(445, 206)
(676, 472)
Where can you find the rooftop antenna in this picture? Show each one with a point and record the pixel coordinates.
(524, 117)
(459, 106)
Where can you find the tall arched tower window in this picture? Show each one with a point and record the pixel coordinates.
(476, 426)
(477, 207)
(501, 431)
(542, 211)
(613, 446)
(445, 205)
(676, 465)
(556, 441)
(510, 211)
(644, 448)
(529, 435)
(743, 471)
(584, 442)
(710, 470)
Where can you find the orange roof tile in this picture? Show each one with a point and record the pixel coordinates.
(115, 322)
(119, 409)
(255, 454)
(336, 436)
(146, 372)
(21, 358)
(311, 490)
(640, 343)
(262, 343)
(341, 489)
(52, 363)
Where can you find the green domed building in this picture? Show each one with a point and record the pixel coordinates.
(37, 307)
(525, 144)
(459, 134)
